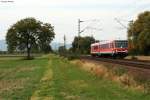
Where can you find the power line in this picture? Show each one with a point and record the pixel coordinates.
(118, 21)
(93, 25)
(88, 27)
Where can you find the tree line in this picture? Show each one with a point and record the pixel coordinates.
(139, 34)
(31, 35)
(80, 45)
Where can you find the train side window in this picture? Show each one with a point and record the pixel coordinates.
(109, 45)
(112, 45)
(102, 46)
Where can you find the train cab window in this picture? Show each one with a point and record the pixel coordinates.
(121, 44)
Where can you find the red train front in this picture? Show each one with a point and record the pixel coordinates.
(110, 48)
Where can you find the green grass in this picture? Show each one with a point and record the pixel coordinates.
(69, 82)
(19, 78)
(52, 77)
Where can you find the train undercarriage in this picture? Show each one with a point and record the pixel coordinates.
(110, 55)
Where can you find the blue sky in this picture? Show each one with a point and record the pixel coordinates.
(63, 14)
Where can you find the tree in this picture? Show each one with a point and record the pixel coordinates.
(139, 34)
(84, 44)
(28, 34)
(45, 37)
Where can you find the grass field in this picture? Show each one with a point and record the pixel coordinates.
(19, 78)
(54, 78)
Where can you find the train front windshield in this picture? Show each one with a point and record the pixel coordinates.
(121, 44)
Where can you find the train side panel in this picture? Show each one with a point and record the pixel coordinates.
(110, 48)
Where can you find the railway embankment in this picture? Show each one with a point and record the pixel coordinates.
(134, 77)
(142, 58)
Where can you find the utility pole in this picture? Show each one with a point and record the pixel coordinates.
(65, 42)
(78, 28)
(79, 21)
(132, 35)
(88, 27)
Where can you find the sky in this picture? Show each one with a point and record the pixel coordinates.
(98, 16)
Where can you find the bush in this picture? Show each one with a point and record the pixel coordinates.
(73, 56)
(70, 56)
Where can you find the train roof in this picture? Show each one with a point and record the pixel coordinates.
(105, 42)
(102, 42)
(93, 44)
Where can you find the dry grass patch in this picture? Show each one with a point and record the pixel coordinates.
(12, 71)
(48, 74)
(45, 81)
(5, 72)
(26, 69)
(72, 97)
(69, 97)
(102, 71)
(96, 69)
(42, 98)
(9, 85)
(79, 83)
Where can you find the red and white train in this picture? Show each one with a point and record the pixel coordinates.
(113, 48)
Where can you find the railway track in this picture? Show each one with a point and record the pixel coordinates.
(132, 63)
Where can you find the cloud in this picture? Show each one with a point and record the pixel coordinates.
(63, 14)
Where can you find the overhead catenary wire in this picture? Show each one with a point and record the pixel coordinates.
(93, 25)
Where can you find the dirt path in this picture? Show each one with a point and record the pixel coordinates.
(45, 80)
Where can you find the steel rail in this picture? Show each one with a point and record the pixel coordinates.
(139, 64)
